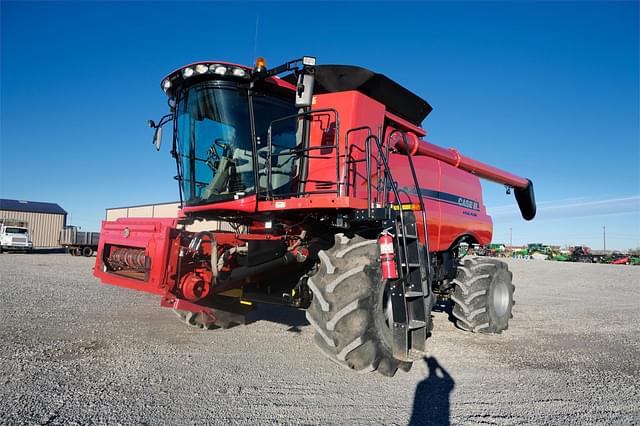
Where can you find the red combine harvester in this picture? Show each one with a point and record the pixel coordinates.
(338, 206)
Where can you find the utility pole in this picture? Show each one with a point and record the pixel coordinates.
(510, 237)
(604, 238)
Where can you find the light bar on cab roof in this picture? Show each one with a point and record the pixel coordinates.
(202, 69)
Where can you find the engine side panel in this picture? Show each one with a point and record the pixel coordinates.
(462, 209)
(452, 197)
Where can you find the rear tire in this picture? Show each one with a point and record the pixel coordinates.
(347, 310)
(87, 251)
(483, 296)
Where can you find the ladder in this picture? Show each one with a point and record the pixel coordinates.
(411, 307)
(410, 293)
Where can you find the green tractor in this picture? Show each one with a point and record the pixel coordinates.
(538, 248)
(522, 253)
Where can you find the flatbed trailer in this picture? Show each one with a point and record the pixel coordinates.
(79, 242)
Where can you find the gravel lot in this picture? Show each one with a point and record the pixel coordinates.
(75, 351)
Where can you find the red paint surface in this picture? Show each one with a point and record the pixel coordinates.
(153, 235)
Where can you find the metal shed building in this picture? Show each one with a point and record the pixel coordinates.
(45, 220)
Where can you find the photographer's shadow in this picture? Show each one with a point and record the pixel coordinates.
(431, 402)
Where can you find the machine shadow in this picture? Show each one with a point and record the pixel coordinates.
(294, 318)
(431, 404)
(445, 306)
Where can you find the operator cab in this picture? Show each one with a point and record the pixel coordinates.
(221, 118)
(222, 115)
(214, 138)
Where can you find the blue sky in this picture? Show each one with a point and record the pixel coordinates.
(546, 90)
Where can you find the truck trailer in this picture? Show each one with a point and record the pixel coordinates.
(79, 242)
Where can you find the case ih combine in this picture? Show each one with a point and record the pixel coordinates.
(339, 207)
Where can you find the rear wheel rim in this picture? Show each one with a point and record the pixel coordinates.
(387, 307)
(501, 299)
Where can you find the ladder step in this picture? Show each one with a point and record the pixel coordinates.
(416, 355)
(412, 265)
(410, 294)
(409, 236)
(414, 324)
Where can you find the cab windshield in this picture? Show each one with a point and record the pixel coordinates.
(15, 230)
(214, 141)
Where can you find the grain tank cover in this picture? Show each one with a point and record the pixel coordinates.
(397, 99)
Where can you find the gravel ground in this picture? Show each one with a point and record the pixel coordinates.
(75, 351)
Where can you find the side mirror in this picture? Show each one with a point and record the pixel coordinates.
(304, 88)
(157, 138)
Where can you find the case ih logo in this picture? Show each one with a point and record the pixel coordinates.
(469, 204)
(445, 197)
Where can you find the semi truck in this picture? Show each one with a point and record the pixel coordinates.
(15, 236)
(338, 205)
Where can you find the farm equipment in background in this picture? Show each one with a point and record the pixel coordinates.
(559, 255)
(536, 251)
(496, 250)
(79, 242)
(520, 253)
(623, 260)
(339, 206)
(581, 254)
(538, 248)
(616, 258)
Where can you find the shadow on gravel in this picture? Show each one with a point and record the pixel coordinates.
(49, 250)
(431, 402)
(294, 318)
(38, 251)
(445, 306)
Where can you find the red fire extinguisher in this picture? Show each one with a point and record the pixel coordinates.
(387, 256)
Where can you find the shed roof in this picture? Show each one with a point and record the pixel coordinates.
(31, 206)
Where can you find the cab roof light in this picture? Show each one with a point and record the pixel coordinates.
(261, 63)
(187, 72)
(176, 78)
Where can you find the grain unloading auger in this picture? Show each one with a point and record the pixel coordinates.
(330, 201)
(523, 188)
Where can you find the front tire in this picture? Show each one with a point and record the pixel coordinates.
(483, 296)
(347, 310)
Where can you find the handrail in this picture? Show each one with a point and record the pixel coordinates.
(396, 193)
(418, 193)
(346, 153)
